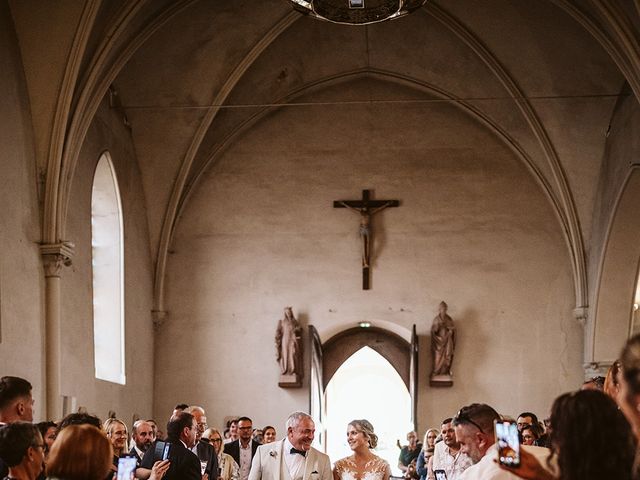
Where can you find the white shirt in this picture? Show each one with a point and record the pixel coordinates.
(295, 462)
(245, 460)
(487, 468)
(452, 464)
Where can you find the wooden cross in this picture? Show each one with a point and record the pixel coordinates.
(366, 208)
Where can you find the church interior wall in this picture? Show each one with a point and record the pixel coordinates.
(108, 134)
(259, 233)
(21, 273)
(613, 257)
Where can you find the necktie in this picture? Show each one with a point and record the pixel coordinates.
(301, 452)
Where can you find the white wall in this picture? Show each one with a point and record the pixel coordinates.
(473, 229)
(21, 273)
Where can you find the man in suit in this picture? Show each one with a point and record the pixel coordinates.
(142, 436)
(292, 458)
(243, 449)
(184, 464)
(203, 449)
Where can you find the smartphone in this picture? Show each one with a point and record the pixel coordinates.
(126, 468)
(161, 451)
(508, 443)
(440, 474)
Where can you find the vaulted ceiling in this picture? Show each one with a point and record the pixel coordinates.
(192, 75)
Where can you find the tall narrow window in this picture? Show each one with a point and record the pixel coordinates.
(108, 274)
(635, 311)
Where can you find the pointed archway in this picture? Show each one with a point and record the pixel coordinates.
(367, 386)
(363, 373)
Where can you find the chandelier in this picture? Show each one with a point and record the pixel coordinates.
(357, 12)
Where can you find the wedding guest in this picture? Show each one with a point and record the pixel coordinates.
(227, 466)
(22, 449)
(591, 440)
(268, 434)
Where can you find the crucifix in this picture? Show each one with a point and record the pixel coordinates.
(366, 208)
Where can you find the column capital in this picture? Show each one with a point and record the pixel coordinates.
(581, 314)
(596, 369)
(55, 255)
(158, 317)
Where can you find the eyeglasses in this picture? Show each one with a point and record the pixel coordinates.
(463, 416)
(245, 428)
(216, 440)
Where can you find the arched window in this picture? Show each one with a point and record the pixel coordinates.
(635, 311)
(108, 273)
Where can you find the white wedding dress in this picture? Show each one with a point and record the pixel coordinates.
(374, 469)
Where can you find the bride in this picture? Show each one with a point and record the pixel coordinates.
(363, 464)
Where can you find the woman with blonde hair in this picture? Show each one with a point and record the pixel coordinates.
(118, 435)
(80, 452)
(363, 463)
(227, 466)
(428, 447)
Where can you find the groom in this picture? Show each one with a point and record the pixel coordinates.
(292, 458)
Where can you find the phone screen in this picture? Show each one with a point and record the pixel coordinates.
(440, 474)
(508, 443)
(161, 451)
(165, 451)
(126, 468)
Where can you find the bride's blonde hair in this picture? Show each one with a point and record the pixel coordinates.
(365, 427)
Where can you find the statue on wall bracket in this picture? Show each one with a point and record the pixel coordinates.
(289, 350)
(443, 344)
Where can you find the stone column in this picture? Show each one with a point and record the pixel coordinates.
(54, 256)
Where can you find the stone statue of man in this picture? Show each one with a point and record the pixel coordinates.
(443, 343)
(288, 338)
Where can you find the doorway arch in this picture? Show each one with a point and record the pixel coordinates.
(364, 372)
(367, 386)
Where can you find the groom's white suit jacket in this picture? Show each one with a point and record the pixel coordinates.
(269, 464)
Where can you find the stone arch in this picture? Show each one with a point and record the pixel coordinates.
(618, 274)
(395, 349)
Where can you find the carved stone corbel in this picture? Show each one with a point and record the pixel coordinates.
(158, 317)
(54, 256)
(581, 314)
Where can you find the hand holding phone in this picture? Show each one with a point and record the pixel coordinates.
(126, 468)
(508, 443)
(440, 474)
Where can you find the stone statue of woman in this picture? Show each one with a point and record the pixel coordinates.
(443, 343)
(288, 337)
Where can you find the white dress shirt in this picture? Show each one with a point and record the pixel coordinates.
(487, 468)
(295, 462)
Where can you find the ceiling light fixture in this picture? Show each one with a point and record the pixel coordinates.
(357, 12)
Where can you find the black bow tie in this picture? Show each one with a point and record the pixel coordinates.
(295, 450)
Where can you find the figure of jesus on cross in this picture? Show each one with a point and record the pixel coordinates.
(366, 208)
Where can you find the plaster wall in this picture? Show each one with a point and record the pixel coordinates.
(108, 133)
(614, 254)
(473, 228)
(21, 273)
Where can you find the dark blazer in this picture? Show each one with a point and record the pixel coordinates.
(184, 463)
(233, 449)
(134, 453)
(206, 453)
